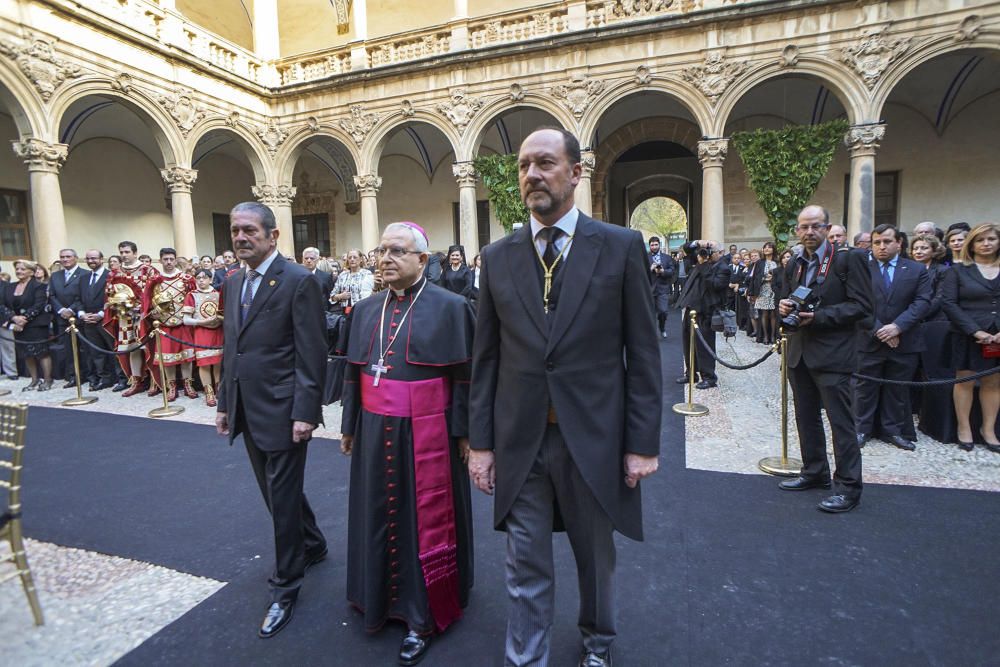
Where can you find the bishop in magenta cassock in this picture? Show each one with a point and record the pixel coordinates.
(409, 554)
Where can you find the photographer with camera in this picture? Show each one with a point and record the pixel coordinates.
(704, 291)
(828, 293)
(661, 276)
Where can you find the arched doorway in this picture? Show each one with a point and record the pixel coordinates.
(660, 212)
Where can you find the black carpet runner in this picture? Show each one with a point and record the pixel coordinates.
(732, 572)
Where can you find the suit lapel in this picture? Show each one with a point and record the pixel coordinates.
(978, 276)
(269, 282)
(876, 272)
(580, 264)
(522, 261)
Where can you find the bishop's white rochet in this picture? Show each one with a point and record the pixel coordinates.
(380, 368)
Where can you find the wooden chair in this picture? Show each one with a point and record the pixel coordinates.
(13, 423)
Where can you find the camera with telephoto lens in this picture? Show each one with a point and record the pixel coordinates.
(803, 300)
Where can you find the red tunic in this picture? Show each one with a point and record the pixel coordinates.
(201, 306)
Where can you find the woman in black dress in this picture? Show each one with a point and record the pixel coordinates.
(25, 313)
(457, 277)
(971, 296)
(935, 360)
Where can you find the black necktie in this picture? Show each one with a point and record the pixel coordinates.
(93, 279)
(550, 235)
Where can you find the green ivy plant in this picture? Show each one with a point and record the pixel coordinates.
(785, 167)
(498, 174)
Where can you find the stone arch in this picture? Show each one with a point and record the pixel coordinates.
(371, 151)
(143, 104)
(288, 156)
(22, 102)
(687, 97)
(924, 54)
(677, 130)
(847, 88)
(477, 130)
(260, 163)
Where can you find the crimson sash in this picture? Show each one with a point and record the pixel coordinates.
(424, 402)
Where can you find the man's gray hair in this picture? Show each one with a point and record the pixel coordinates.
(314, 250)
(264, 214)
(69, 250)
(419, 240)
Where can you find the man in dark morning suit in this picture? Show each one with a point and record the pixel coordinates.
(821, 357)
(566, 398)
(64, 298)
(104, 370)
(271, 391)
(891, 347)
(661, 277)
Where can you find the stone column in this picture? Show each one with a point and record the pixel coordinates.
(179, 181)
(862, 142)
(468, 224)
(265, 29)
(368, 186)
(582, 197)
(712, 154)
(48, 220)
(279, 198)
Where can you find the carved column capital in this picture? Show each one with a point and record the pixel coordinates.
(274, 195)
(368, 184)
(41, 155)
(179, 179)
(864, 140)
(588, 160)
(712, 152)
(465, 174)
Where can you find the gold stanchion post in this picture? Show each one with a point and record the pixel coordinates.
(782, 466)
(167, 410)
(75, 345)
(691, 409)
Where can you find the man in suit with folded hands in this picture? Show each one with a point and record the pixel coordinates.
(890, 348)
(566, 398)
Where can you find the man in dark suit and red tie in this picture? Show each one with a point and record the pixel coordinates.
(891, 347)
(271, 391)
(566, 398)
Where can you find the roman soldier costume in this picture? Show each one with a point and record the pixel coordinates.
(124, 316)
(164, 301)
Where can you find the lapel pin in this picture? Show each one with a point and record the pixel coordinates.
(271, 284)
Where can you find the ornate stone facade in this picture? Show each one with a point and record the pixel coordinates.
(873, 53)
(368, 184)
(712, 152)
(578, 94)
(179, 179)
(862, 140)
(715, 75)
(360, 123)
(274, 195)
(183, 108)
(40, 155)
(460, 109)
(39, 63)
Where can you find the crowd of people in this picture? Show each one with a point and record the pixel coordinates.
(933, 316)
(115, 301)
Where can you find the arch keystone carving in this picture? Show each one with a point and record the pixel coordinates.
(969, 28)
(359, 124)
(643, 75)
(461, 109)
(578, 94)
(789, 56)
(713, 77)
(183, 108)
(39, 63)
(272, 135)
(872, 54)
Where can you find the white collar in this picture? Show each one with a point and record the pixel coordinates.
(266, 264)
(567, 223)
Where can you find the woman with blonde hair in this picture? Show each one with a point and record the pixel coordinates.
(25, 313)
(354, 283)
(970, 295)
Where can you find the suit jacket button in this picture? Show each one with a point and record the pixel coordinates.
(549, 366)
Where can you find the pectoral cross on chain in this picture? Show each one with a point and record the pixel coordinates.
(379, 369)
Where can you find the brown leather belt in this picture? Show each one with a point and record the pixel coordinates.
(552, 415)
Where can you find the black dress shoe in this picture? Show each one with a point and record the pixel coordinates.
(993, 448)
(591, 659)
(277, 617)
(684, 379)
(838, 503)
(902, 443)
(863, 438)
(707, 384)
(121, 386)
(414, 648)
(315, 558)
(803, 484)
(70, 384)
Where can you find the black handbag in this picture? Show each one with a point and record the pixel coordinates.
(724, 322)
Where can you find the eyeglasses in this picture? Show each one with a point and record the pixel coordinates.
(395, 252)
(810, 228)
